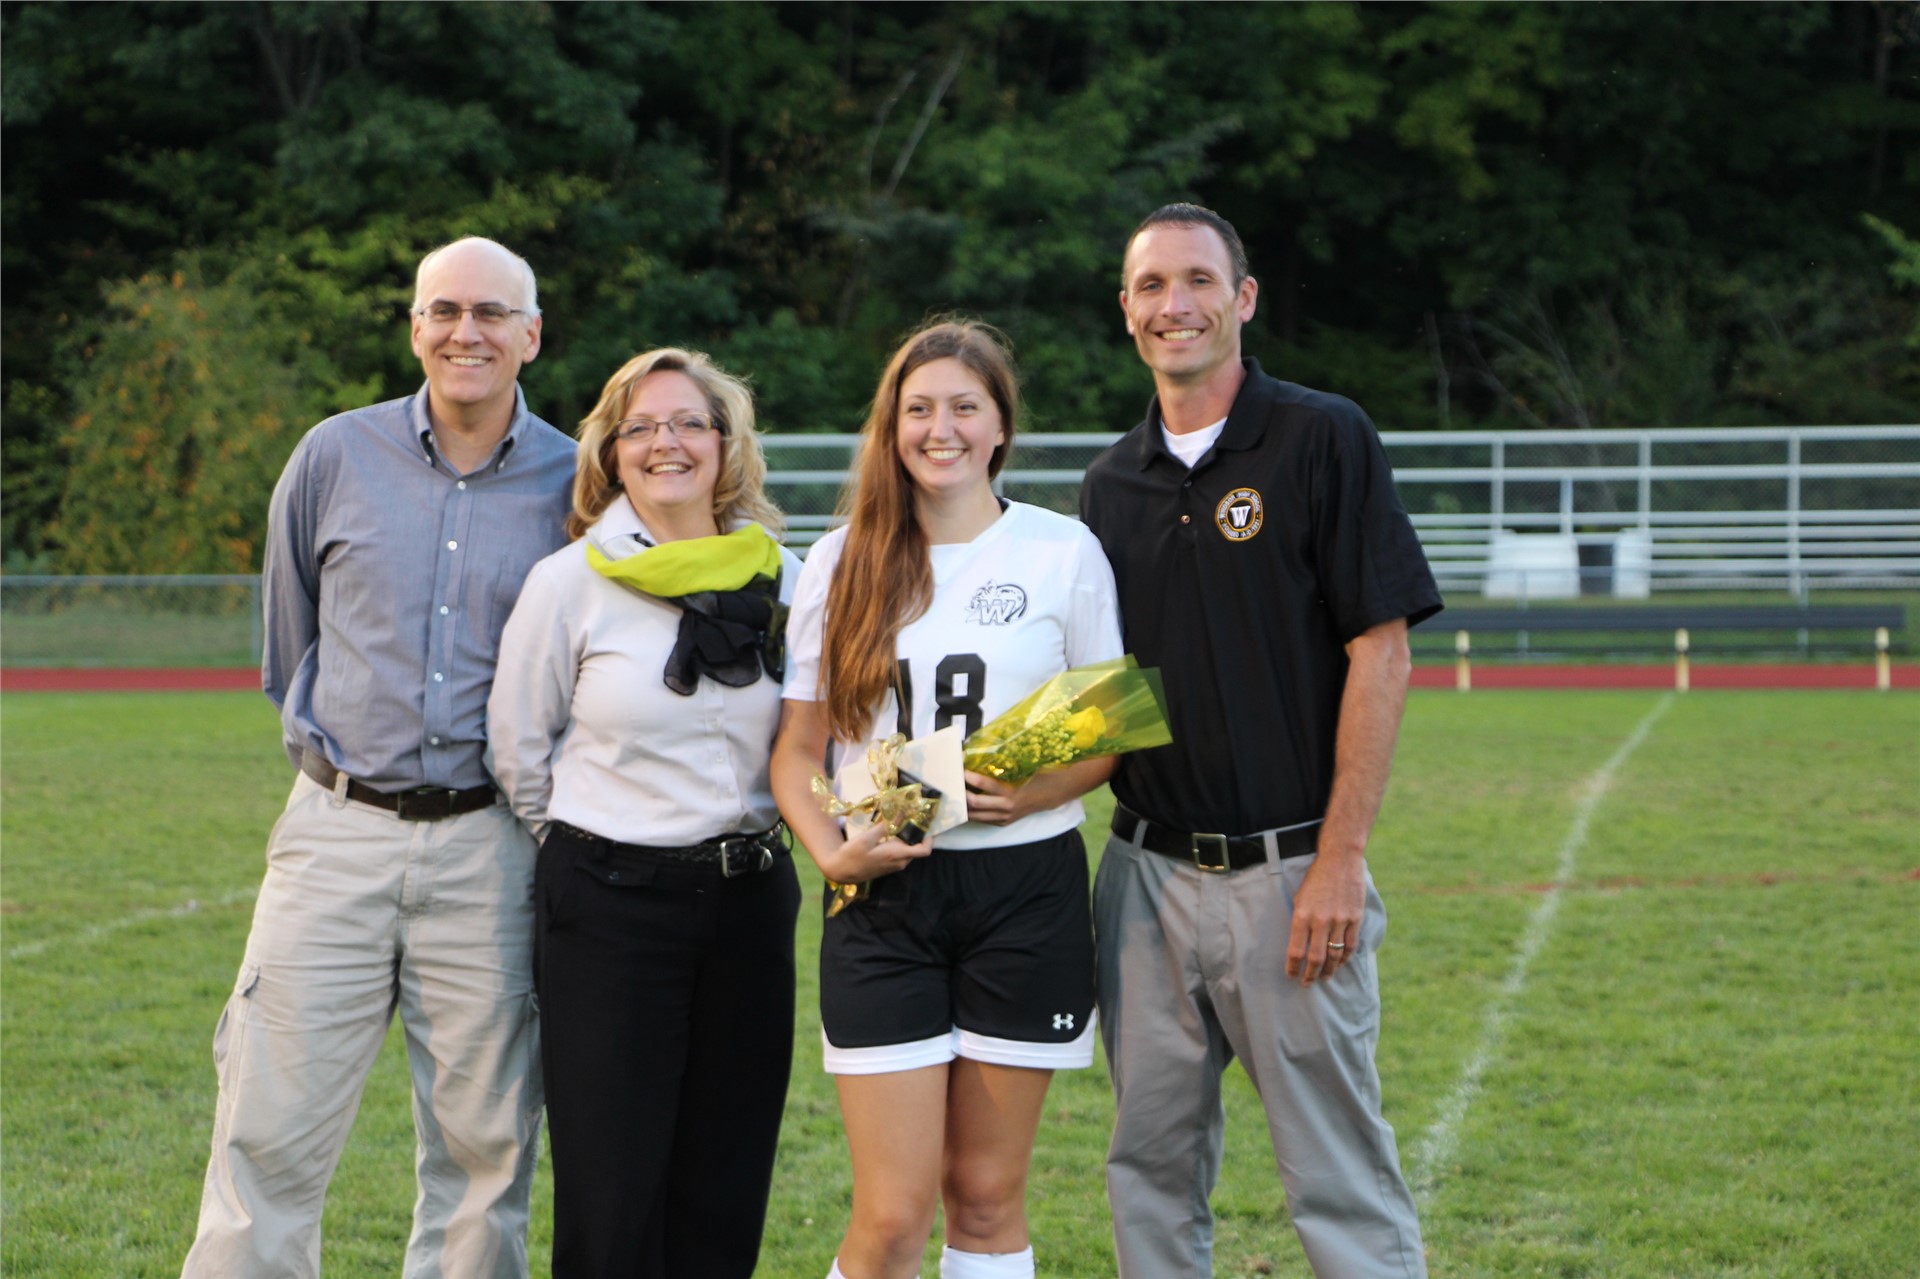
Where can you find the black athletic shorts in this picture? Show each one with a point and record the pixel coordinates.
(983, 953)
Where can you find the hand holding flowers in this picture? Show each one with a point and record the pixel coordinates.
(1050, 747)
(886, 829)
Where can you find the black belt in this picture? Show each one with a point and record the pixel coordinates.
(421, 804)
(731, 855)
(1216, 853)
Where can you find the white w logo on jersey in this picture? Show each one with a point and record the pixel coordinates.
(996, 604)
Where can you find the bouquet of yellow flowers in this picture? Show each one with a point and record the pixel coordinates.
(1105, 708)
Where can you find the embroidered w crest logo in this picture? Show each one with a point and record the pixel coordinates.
(996, 604)
(1240, 514)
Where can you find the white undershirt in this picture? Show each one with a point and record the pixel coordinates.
(1192, 446)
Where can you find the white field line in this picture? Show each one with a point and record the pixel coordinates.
(86, 936)
(1442, 1137)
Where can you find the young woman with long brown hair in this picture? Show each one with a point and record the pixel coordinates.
(952, 991)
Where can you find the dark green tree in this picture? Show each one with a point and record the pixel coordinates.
(1461, 214)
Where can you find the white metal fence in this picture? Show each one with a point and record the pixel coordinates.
(1509, 515)
(1541, 513)
(1630, 512)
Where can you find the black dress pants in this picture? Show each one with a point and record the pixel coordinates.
(666, 1021)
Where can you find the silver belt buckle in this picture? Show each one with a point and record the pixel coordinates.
(1214, 842)
(747, 848)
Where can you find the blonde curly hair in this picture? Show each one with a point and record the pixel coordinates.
(740, 492)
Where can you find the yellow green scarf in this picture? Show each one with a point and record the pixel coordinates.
(732, 623)
(726, 562)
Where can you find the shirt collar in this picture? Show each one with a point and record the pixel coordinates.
(620, 531)
(423, 427)
(1246, 420)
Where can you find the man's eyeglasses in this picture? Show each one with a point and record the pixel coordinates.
(685, 426)
(488, 315)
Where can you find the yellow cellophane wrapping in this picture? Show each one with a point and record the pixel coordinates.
(1104, 708)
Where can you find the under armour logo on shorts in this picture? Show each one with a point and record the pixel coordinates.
(1063, 1021)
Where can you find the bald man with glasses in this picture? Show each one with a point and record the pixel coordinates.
(397, 881)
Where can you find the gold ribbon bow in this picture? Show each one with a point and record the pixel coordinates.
(891, 806)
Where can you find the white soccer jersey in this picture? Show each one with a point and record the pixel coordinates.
(1030, 597)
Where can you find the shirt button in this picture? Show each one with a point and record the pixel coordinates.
(453, 546)
(1186, 519)
(437, 677)
(461, 485)
(443, 610)
(433, 741)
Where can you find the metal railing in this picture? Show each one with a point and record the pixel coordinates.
(1753, 508)
(1538, 513)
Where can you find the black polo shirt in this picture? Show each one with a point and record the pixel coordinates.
(1242, 580)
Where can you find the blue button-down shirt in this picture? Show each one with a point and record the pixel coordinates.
(388, 579)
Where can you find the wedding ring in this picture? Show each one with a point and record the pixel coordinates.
(1336, 945)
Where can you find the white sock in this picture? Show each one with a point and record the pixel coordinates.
(955, 1264)
(836, 1274)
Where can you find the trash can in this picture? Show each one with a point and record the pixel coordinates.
(1616, 564)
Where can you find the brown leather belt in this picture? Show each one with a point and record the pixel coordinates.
(421, 804)
(1215, 853)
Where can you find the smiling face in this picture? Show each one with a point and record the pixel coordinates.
(670, 480)
(1182, 305)
(471, 368)
(947, 428)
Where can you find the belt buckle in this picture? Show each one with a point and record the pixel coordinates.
(746, 847)
(425, 804)
(1211, 841)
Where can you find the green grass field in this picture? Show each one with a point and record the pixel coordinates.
(1652, 997)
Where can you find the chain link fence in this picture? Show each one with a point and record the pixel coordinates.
(1801, 513)
(189, 620)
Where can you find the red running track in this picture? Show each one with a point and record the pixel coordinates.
(32, 679)
(129, 679)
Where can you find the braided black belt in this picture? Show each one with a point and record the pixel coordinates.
(731, 855)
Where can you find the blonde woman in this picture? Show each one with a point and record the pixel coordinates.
(630, 726)
(965, 978)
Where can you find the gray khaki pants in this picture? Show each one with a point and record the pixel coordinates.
(362, 915)
(1192, 973)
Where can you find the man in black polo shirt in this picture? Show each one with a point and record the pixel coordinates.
(1266, 566)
